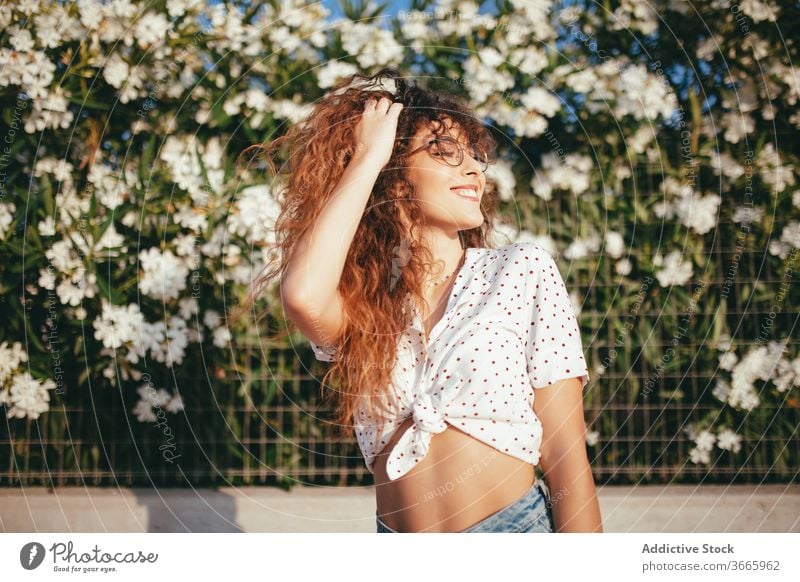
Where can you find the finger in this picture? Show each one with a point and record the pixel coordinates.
(396, 107)
(370, 104)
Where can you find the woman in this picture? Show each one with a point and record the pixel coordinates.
(462, 365)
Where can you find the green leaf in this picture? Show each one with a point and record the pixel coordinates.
(78, 99)
(34, 339)
(104, 289)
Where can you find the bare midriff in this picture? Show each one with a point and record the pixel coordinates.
(458, 483)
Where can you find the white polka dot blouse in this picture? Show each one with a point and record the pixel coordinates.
(509, 327)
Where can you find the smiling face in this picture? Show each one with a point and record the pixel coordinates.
(443, 203)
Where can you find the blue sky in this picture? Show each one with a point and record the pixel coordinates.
(394, 6)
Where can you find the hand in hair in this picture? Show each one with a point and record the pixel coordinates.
(375, 132)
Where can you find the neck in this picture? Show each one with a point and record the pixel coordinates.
(447, 256)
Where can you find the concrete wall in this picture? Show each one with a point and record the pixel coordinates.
(647, 508)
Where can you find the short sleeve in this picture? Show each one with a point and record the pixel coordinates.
(325, 353)
(553, 340)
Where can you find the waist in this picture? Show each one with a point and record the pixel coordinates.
(460, 481)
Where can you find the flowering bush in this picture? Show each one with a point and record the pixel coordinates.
(128, 232)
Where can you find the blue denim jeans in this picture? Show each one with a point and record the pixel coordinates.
(531, 513)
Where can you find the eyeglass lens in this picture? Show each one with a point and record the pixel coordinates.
(453, 154)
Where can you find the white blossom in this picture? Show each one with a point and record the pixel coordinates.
(531, 60)
(615, 244)
(212, 319)
(222, 336)
(73, 292)
(725, 164)
(110, 189)
(729, 440)
(705, 440)
(180, 7)
(164, 274)
(774, 170)
(33, 71)
(724, 342)
(623, 267)
(592, 437)
(27, 396)
(332, 71)
(117, 324)
(172, 349)
(759, 363)
(747, 214)
(698, 213)
(256, 212)
(47, 227)
(502, 176)
(143, 411)
(582, 81)
(10, 359)
(582, 247)
(6, 217)
(49, 112)
(187, 307)
(728, 360)
(643, 95)
(47, 279)
(722, 390)
(541, 100)
(505, 112)
(483, 77)
(415, 28)
(699, 456)
(152, 399)
(787, 374)
(635, 15)
(115, 70)
(758, 10)
(572, 173)
(676, 271)
(174, 404)
(737, 125)
(151, 29)
(371, 46)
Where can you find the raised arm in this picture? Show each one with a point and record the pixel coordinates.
(309, 286)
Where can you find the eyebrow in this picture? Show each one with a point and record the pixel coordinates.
(434, 136)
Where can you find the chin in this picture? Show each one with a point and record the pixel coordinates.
(458, 221)
(471, 221)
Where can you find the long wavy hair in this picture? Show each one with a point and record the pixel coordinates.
(371, 287)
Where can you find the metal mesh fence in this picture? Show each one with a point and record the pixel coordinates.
(263, 424)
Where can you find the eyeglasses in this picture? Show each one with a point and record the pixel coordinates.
(451, 153)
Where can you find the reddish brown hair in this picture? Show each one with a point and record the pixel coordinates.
(371, 289)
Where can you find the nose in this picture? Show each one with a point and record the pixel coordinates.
(471, 169)
(470, 166)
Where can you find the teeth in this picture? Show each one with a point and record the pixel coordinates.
(466, 193)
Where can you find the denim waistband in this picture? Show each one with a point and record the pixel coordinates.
(538, 487)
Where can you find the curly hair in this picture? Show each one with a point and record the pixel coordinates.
(371, 289)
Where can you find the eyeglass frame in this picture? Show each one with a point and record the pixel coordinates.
(485, 163)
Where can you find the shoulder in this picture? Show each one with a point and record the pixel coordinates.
(519, 262)
(525, 254)
(527, 248)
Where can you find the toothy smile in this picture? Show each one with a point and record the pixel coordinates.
(468, 192)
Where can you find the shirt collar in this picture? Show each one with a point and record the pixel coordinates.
(474, 271)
